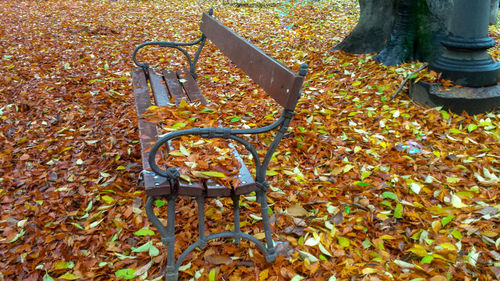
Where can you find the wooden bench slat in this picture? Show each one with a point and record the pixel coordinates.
(141, 90)
(159, 186)
(190, 86)
(277, 80)
(159, 89)
(174, 87)
(147, 130)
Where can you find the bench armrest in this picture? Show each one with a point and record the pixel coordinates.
(228, 133)
(175, 45)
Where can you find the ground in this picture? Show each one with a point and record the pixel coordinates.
(364, 187)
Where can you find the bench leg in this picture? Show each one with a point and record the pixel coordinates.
(236, 211)
(200, 202)
(270, 251)
(167, 234)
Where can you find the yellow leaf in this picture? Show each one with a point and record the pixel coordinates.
(457, 202)
(452, 179)
(369, 270)
(184, 150)
(348, 167)
(260, 235)
(107, 199)
(176, 153)
(183, 104)
(387, 237)
(446, 246)
(264, 274)
(418, 250)
(213, 174)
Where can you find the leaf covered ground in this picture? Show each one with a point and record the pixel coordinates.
(363, 187)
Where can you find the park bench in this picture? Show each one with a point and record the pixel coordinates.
(153, 88)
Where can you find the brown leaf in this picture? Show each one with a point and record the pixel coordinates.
(218, 259)
(296, 211)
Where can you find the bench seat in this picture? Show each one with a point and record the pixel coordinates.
(164, 88)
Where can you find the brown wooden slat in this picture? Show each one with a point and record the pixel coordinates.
(277, 80)
(174, 87)
(190, 86)
(247, 181)
(141, 91)
(159, 186)
(158, 88)
(147, 131)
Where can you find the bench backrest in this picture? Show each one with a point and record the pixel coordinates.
(276, 79)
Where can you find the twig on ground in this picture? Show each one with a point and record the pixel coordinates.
(407, 78)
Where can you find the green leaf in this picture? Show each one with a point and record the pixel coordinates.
(365, 174)
(455, 233)
(344, 242)
(235, 119)
(297, 278)
(212, 275)
(213, 174)
(271, 173)
(389, 195)
(446, 220)
(159, 203)
(77, 225)
(179, 125)
(427, 259)
(107, 199)
(386, 203)
(47, 277)
(471, 127)
(366, 243)
(96, 223)
(144, 232)
(398, 212)
(153, 251)
(127, 273)
(143, 248)
(445, 115)
(69, 276)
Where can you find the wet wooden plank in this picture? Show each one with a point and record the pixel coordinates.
(159, 89)
(148, 133)
(247, 182)
(159, 186)
(190, 86)
(174, 87)
(141, 91)
(276, 79)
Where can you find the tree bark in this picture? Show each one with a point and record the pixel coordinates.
(416, 27)
(494, 12)
(373, 29)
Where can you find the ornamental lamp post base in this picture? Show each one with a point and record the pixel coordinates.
(468, 99)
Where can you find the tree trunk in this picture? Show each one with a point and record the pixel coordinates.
(373, 29)
(415, 31)
(494, 12)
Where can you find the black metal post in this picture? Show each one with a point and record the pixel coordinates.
(465, 60)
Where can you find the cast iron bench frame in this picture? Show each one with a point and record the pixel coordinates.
(274, 78)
